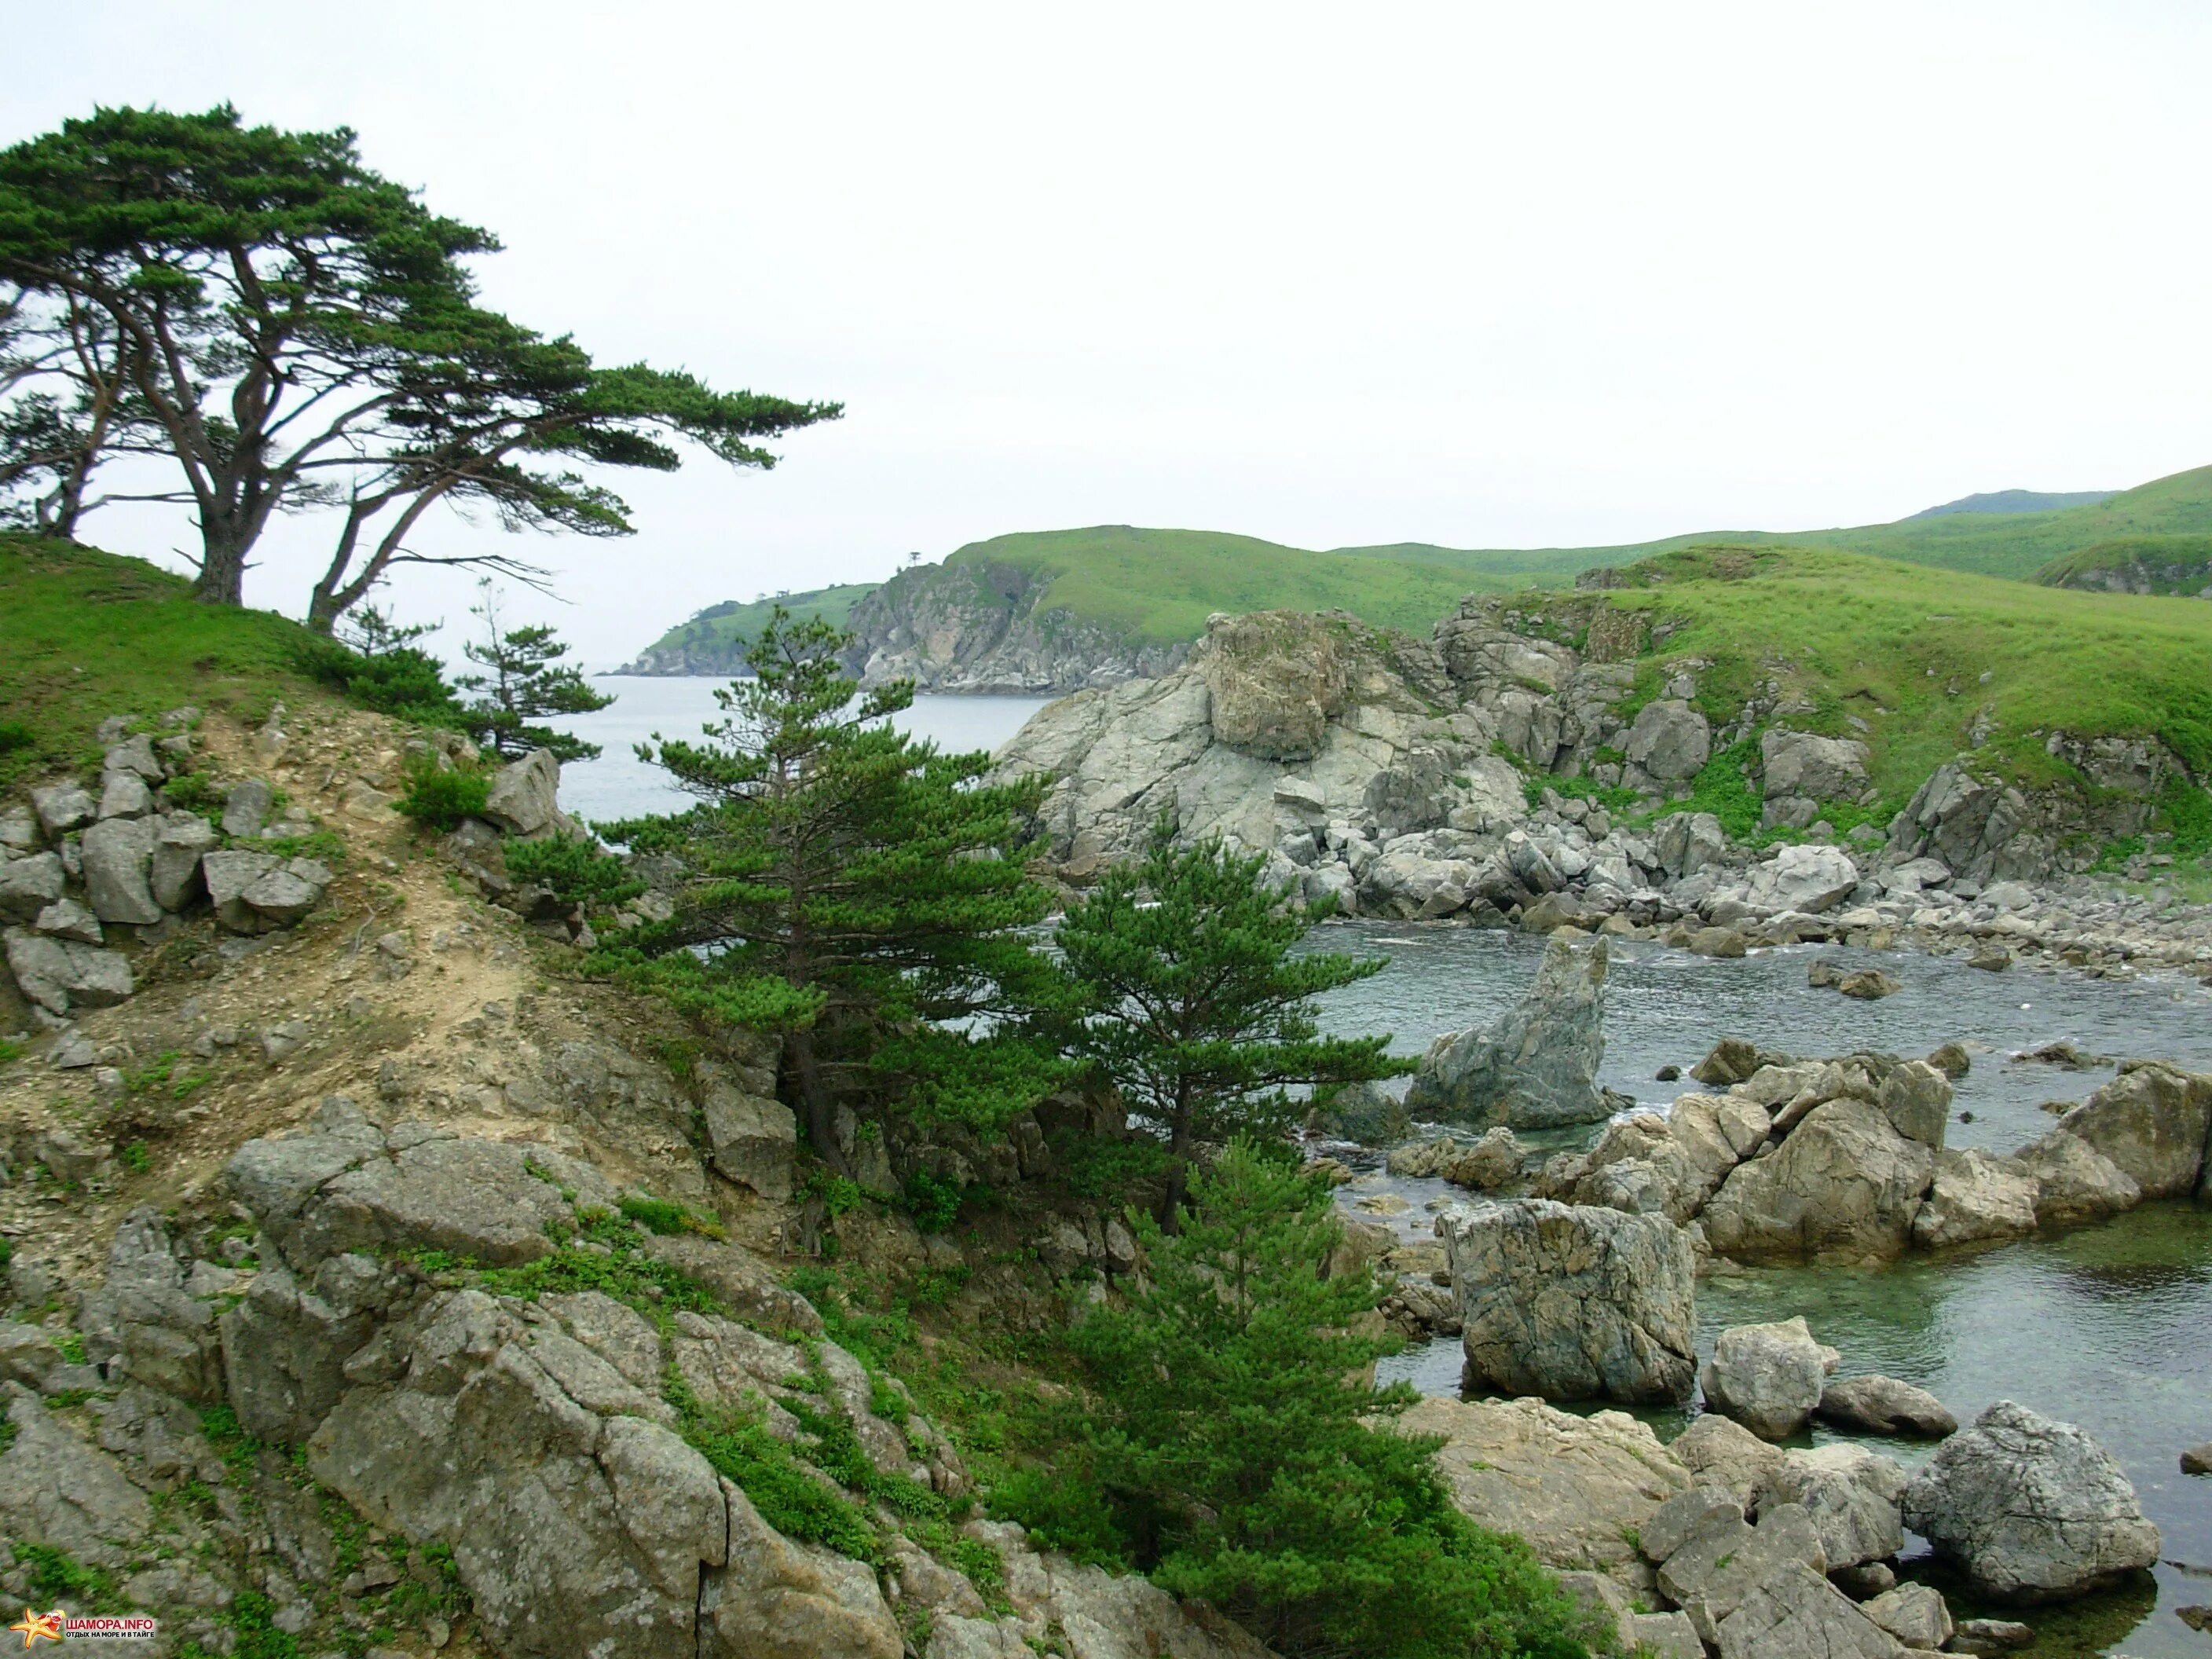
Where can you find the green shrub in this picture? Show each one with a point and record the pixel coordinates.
(1247, 1464)
(1095, 1168)
(439, 799)
(15, 737)
(1064, 1511)
(659, 1215)
(788, 1497)
(408, 682)
(579, 871)
(932, 1201)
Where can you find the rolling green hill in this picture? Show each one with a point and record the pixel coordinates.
(1156, 586)
(713, 642)
(1922, 657)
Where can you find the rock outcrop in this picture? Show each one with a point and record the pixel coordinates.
(2031, 1510)
(1572, 1302)
(986, 626)
(1577, 1489)
(1536, 1066)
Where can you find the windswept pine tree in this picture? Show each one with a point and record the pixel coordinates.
(1189, 996)
(853, 891)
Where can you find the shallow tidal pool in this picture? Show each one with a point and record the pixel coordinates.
(2109, 1327)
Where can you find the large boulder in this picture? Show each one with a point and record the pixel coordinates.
(1844, 1186)
(344, 1186)
(257, 892)
(1577, 1488)
(144, 1323)
(754, 1139)
(60, 973)
(1669, 740)
(572, 1523)
(1810, 768)
(118, 855)
(1573, 1302)
(181, 841)
(1795, 1613)
(1851, 1493)
(1882, 1405)
(1975, 1195)
(57, 1491)
(2030, 1509)
(29, 885)
(1536, 1066)
(1722, 1455)
(61, 807)
(2151, 1123)
(1725, 1559)
(1810, 878)
(1972, 825)
(2073, 1181)
(1277, 678)
(523, 797)
(1767, 1378)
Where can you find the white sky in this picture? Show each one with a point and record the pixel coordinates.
(1477, 274)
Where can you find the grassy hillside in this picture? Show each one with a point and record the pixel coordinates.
(1159, 585)
(2155, 564)
(84, 634)
(1919, 656)
(719, 634)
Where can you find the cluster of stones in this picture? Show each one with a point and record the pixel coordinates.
(539, 1440)
(1722, 1542)
(82, 871)
(1392, 775)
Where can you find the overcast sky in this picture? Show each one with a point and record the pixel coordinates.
(1486, 275)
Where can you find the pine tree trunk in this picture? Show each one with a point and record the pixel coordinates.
(1171, 1215)
(821, 1112)
(222, 579)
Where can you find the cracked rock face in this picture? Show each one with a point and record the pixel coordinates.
(1573, 1302)
(2031, 1509)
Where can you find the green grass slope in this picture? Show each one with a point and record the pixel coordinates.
(1159, 585)
(715, 639)
(1921, 656)
(84, 634)
(2140, 564)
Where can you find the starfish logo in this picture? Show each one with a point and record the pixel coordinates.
(32, 1626)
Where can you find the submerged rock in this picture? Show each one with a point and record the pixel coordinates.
(1537, 1066)
(1573, 1302)
(1882, 1405)
(2032, 1510)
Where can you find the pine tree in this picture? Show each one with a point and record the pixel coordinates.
(527, 682)
(1234, 1433)
(1187, 997)
(854, 890)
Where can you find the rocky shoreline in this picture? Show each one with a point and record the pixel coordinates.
(1463, 778)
